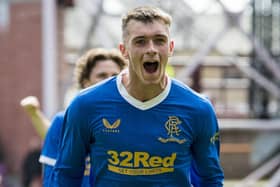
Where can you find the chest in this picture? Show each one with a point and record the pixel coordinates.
(157, 131)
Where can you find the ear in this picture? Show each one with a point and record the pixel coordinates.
(123, 51)
(171, 48)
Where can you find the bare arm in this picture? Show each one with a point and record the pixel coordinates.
(39, 120)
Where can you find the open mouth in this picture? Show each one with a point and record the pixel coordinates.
(151, 67)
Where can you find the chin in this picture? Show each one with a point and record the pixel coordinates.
(152, 80)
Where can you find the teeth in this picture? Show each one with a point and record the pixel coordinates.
(151, 62)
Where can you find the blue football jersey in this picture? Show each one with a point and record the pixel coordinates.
(155, 143)
(50, 150)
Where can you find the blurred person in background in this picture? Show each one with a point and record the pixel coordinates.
(94, 66)
(90, 73)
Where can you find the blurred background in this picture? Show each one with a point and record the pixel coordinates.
(228, 50)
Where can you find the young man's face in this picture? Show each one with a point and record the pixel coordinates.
(147, 46)
(103, 69)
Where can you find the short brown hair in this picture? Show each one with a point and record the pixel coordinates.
(87, 62)
(145, 14)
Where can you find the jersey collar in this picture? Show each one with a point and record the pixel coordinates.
(137, 103)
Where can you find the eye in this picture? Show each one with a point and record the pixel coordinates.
(159, 41)
(140, 42)
(102, 75)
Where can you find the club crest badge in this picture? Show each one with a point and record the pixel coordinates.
(173, 131)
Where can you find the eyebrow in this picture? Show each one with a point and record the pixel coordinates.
(157, 35)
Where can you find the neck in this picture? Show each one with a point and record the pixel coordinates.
(143, 92)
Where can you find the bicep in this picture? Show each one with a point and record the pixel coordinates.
(205, 150)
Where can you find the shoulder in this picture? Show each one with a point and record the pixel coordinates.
(98, 89)
(56, 124)
(101, 85)
(189, 97)
(58, 117)
(179, 87)
(91, 96)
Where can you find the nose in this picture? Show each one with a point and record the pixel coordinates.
(151, 48)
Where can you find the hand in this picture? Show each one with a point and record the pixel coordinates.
(30, 103)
